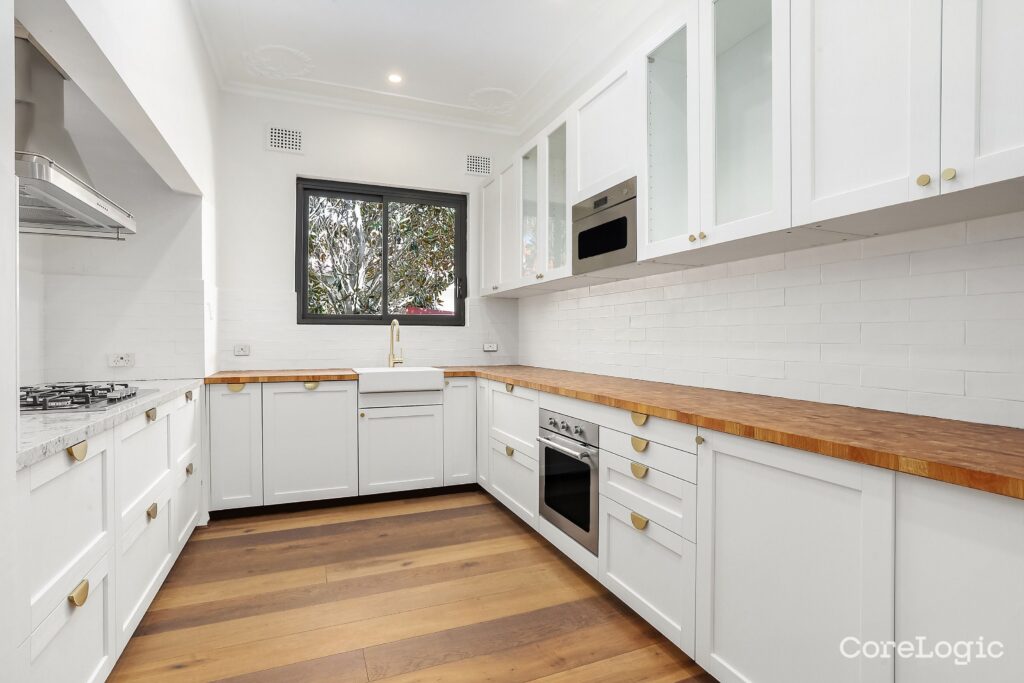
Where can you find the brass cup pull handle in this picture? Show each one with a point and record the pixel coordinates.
(151, 415)
(189, 469)
(509, 387)
(235, 388)
(948, 173)
(79, 450)
(80, 594)
(152, 511)
(509, 451)
(639, 521)
(639, 471)
(639, 445)
(311, 386)
(188, 396)
(924, 180)
(639, 419)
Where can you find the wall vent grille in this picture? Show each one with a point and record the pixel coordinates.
(478, 165)
(284, 139)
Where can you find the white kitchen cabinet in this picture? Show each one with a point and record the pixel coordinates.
(483, 432)
(459, 431)
(510, 235)
(605, 121)
(745, 118)
(515, 481)
(490, 243)
(400, 448)
(236, 445)
(186, 467)
(865, 104)
(310, 441)
(531, 219)
(982, 92)
(649, 568)
(794, 554)
(959, 569)
(668, 185)
(514, 412)
(558, 176)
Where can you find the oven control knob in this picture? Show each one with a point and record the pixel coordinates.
(552, 422)
(577, 430)
(564, 425)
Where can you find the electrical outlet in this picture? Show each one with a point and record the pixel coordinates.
(124, 359)
(242, 349)
(490, 346)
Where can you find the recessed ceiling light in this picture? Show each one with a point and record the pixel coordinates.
(395, 78)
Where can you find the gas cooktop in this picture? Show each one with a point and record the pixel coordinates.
(81, 396)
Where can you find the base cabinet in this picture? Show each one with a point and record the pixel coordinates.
(515, 481)
(513, 417)
(310, 441)
(483, 438)
(236, 445)
(459, 431)
(794, 555)
(650, 569)
(400, 449)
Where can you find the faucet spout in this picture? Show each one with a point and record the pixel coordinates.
(394, 334)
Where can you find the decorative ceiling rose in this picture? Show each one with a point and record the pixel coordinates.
(278, 62)
(493, 100)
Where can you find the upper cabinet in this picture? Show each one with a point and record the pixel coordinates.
(866, 79)
(606, 124)
(530, 248)
(559, 210)
(668, 200)
(982, 92)
(490, 247)
(744, 126)
(510, 236)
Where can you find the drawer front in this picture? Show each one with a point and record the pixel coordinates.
(667, 432)
(514, 416)
(144, 557)
(515, 481)
(143, 461)
(652, 570)
(76, 643)
(662, 498)
(184, 429)
(655, 455)
(184, 510)
(68, 522)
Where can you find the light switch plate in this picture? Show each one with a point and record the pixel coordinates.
(490, 346)
(242, 349)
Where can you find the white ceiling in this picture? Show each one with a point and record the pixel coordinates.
(494, 64)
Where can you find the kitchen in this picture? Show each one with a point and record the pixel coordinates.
(661, 340)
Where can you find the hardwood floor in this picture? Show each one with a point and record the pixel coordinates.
(443, 588)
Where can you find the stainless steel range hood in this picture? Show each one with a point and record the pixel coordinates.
(55, 193)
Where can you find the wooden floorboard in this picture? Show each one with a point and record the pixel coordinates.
(445, 588)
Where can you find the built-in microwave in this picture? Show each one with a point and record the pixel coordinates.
(604, 229)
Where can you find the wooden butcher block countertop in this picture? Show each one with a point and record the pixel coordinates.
(978, 456)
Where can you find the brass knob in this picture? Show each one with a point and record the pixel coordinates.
(80, 594)
(924, 180)
(362, 414)
(509, 451)
(235, 388)
(189, 469)
(311, 385)
(639, 521)
(693, 238)
(188, 396)
(540, 276)
(152, 511)
(639, 471)
(639, 419)
(703, 235)
(151, 415)
(639, 445)
(948, 173)
(79, 450)
(494, 288)
(699, 439)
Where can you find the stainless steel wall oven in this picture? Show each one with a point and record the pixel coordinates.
(569, 465)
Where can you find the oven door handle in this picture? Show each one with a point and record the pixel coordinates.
(579, 455)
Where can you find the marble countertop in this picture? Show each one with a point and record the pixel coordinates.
(41, 435)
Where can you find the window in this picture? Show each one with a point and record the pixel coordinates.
(366, 254)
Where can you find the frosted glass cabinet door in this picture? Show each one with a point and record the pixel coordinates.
(865, 105)
(558, 209)
(745, 154)
(668, 183)
(530, 217)
(982, 92)
(491, 245)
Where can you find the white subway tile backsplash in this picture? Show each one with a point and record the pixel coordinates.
(993, 280)
(1005, 226)
(913, 287)
(897, 265)
(1009, 386)
(865, 311)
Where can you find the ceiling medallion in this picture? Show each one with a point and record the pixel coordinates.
(493, 100)
(278, 62)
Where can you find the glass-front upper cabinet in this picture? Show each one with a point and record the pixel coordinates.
(557, 202)
(745, 105)
(530, 203)
(668, 216)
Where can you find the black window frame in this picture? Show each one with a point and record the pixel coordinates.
(309, 186)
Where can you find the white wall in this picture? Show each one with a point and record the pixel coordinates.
(256, 232)
(928, 322)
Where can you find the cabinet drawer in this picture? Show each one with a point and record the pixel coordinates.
(515, 481)
(655, 455)
(184, 506)
(514, 413)
(664, 499)
(667, 432)
(650, 569)
(144, 557)
(67, 522)
(143, 460)
(184, 429)
(76, 643)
